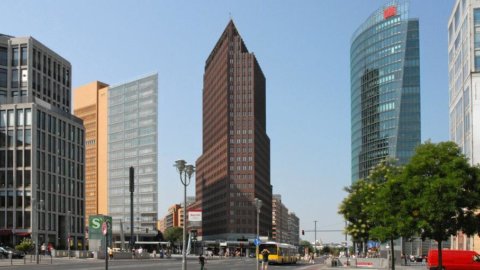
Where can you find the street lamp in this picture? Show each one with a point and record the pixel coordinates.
(185, 172)
(258, 205)
(68, 232)
(35, 223)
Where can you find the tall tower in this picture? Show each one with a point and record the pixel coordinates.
(41, 146)
(235, 165)
(464, 79)
(132, 142)
(121, 132)
(385, 88)
(90, 104)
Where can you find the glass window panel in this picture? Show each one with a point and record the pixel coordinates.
(3, 118)
(26, 178)
(14, 56)
(3, 77)
(28, 117)
(20, 117)
(27, 158)
(10, 158)
(24, 77)
(11, 118)
(10, 138)
(24, 56)
(3, 56)
(19, 137)
(14, 78)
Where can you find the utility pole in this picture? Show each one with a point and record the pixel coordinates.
(346, 242)
(315, 243)
(132, 189)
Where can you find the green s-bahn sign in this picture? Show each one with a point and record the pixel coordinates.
(95, 226)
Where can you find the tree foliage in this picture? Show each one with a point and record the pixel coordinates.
(173, 234)
(26, 245)
(386, 211)
(442, 191)
(354, 209)
(305, 244)
(434, 195)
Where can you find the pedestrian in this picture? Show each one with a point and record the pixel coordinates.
(43, 248)
(312, 258)
(201, 261)
(110, 253)
(265, 254)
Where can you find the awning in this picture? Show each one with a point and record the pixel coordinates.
(24, 234)
(5, 232)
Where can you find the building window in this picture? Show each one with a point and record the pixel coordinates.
(3, 77)
(24, 56)
(3, 56)
(20, 117)
(14, 78)
(15, 57)
(28, 117)
(24, 75)
(11, 118)
(28, 137)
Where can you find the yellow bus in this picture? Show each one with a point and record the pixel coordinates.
(279, 253)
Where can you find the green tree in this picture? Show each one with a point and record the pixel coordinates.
(326, 250)
(173, 234)
(354, 209)
(305, 244)
(389, 218)
(442, 192)
(26, 245)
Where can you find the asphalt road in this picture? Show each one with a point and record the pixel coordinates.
(173, 264)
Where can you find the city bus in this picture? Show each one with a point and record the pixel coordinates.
(279, 253)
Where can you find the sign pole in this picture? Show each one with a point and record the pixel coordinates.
(105, 233)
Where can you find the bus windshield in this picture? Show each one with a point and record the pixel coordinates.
(272, 248)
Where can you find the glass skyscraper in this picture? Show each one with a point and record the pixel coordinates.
(385, 88)
(132, 141)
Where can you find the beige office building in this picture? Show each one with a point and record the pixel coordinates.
(90, 103)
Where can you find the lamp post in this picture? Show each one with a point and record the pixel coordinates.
(185, 172)
(68, 232)
(35, 222)
(315, 243)
(258, 205)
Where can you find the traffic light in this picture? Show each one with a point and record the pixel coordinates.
(303, 232)
(131, 178)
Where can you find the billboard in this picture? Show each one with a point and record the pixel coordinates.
(195, 218)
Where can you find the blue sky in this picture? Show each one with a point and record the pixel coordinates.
(303, 49)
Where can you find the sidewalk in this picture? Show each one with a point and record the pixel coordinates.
(43, 260)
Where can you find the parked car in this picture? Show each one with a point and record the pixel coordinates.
(454, 260)
(16, 254)
(3, 253)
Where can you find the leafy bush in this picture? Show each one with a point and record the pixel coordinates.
(25, 246)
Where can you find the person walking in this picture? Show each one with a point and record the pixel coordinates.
(201, 260)
(265, 254)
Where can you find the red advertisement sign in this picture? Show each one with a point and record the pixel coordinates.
(389, 12)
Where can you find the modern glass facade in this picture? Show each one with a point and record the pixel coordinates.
(41, 147)
(464, 76)
(132, 141)
(385, 88)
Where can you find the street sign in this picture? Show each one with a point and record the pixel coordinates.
(104, 228)
(257, 242)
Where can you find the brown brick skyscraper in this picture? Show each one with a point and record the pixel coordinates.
(235, 165)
